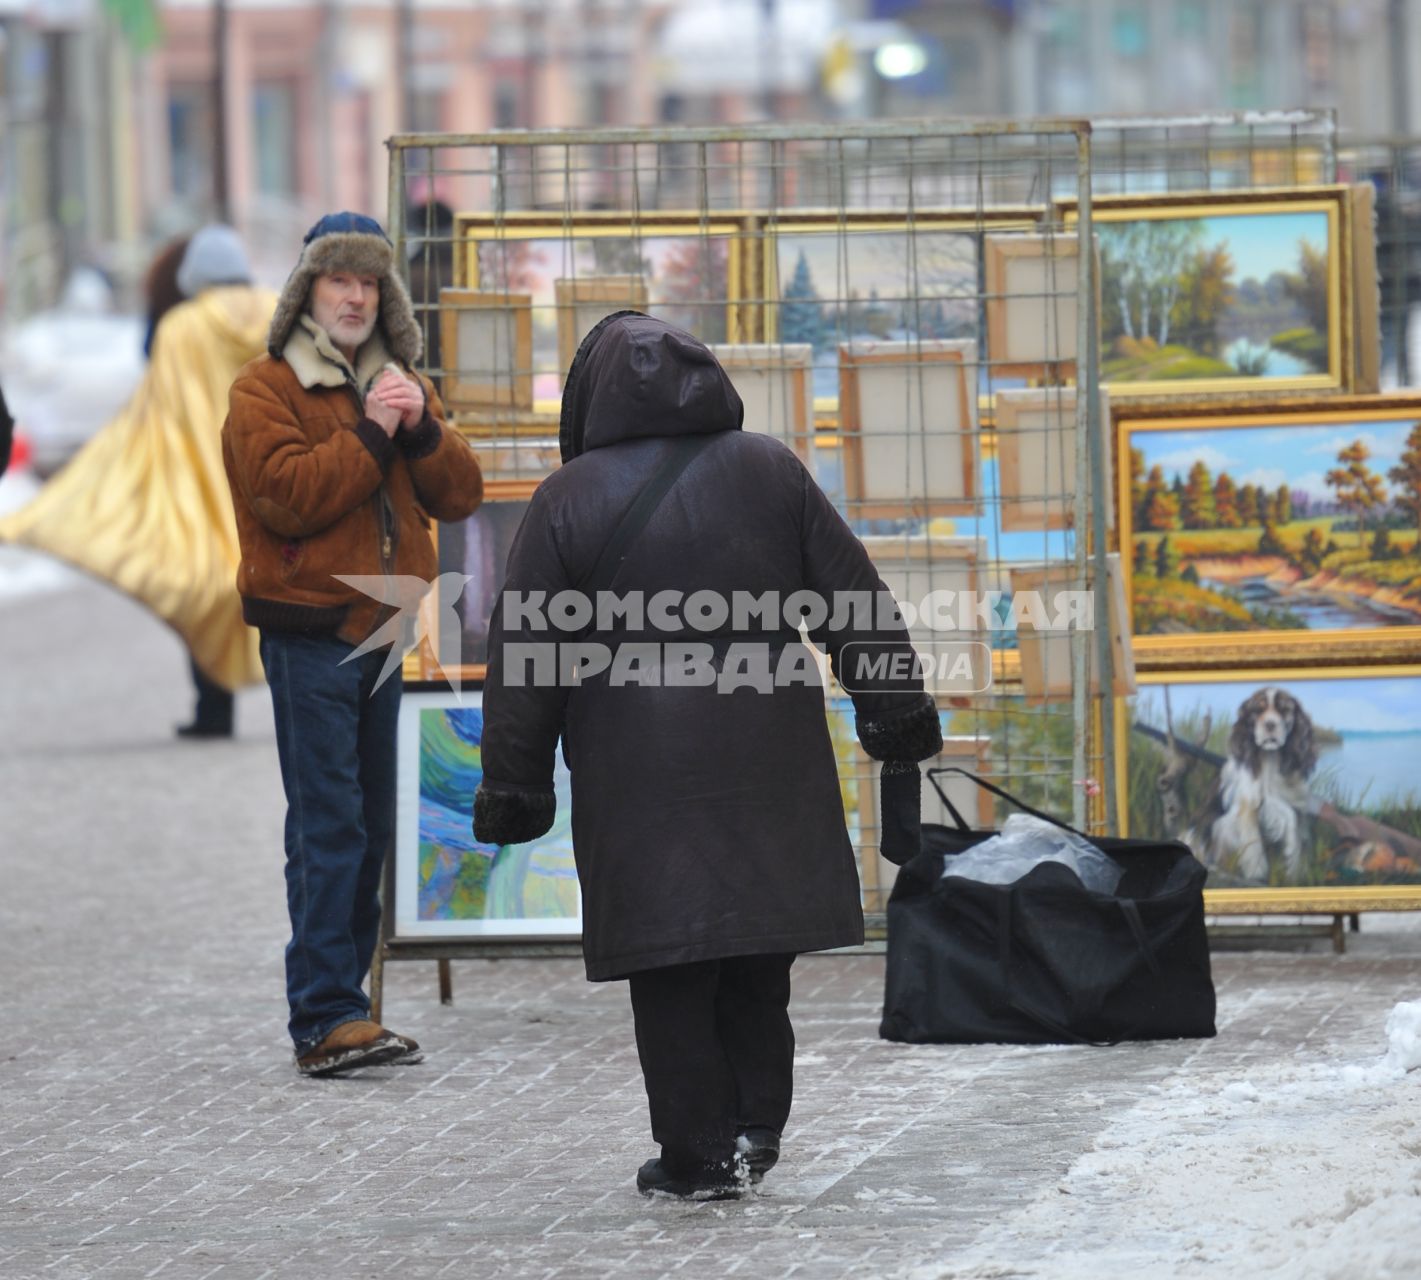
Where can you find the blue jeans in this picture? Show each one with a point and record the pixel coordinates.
(335, 737)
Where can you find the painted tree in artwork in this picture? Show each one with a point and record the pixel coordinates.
(511, 266)
(1144, 562)
(1143, 268)
(1406, 475)
(1314, 549)
(1159, 508)
(1282, 509)
(801, 311)
(1359, 489)
(1206, 295)
(1248, 506)
(1197, 510)
(1308, 287)
(692, 287)
(1137, 486)
(1167, 559)
(1226, 514)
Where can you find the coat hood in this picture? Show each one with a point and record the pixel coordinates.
(636, 377)
(237, 316)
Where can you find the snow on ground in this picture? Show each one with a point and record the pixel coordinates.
(1308, 1169)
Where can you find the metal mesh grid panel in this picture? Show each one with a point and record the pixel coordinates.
(896, 304)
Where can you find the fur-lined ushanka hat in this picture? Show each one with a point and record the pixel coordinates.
(357, 244)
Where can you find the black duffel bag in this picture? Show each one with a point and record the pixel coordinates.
(1045, 960)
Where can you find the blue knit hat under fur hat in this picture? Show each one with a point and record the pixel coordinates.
(358, 244)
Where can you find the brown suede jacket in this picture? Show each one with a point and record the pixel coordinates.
(319, 489)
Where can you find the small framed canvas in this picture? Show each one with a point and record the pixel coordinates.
(775, 382)
(486, 347)
(909, 423)
(583, 301)
(1045, 647)
(1036, 458)
(447, 884)
(1033, 282)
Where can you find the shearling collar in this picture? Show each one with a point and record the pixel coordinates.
(316, 362)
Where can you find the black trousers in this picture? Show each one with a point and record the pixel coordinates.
(214, 703)
(717, 1054)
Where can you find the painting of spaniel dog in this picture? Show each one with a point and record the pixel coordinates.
(1256, 811)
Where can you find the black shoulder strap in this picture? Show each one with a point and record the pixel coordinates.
(682, 452)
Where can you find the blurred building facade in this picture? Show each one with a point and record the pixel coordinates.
(109, 136)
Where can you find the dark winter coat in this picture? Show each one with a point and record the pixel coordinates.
(705, 824)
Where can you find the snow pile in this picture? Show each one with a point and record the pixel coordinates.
(1301, 1171)
(1403, 1036)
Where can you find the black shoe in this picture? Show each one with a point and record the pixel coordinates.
(711, 1184)
(760, 1149)
(197, 729)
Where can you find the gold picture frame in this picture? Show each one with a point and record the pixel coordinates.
(774, 381)
(1033, 304)
(1045, 655)
(1299, 570)
(1225, 231)
(887, 392)
(486, 346)
(1034, 436)
(1346, 826)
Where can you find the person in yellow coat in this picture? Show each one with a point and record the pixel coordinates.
(145, 504)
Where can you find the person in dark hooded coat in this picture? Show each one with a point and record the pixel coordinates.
(708, 827)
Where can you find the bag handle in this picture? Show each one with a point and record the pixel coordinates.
(998, 791)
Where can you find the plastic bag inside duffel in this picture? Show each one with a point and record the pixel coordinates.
(1044, 960)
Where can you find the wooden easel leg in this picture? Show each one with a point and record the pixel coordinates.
(1339, 934)
(377, 980)
(446, 983)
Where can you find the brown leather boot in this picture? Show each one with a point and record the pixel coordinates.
(352, 1045)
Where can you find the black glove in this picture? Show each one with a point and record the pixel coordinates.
(505, 814)
(900, 803)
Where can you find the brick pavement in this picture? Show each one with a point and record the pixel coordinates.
(151, 1123)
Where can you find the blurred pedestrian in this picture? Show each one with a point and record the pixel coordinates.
(707, 823)
(338, 456)
(145, 504)
(160, 288)
(7, 434)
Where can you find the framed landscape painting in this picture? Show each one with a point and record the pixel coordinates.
(1304, 525)
(447, 884)
(872, 277)
(1297, 789)
(1224, 292)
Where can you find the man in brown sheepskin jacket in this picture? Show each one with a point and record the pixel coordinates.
(338, 457)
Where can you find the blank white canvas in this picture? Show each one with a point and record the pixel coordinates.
(918, 442)
(1041, 303)
(770, 378)
(1045, 425)
(488, 347)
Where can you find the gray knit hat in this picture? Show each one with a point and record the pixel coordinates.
(355, 243)
(214, 256)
